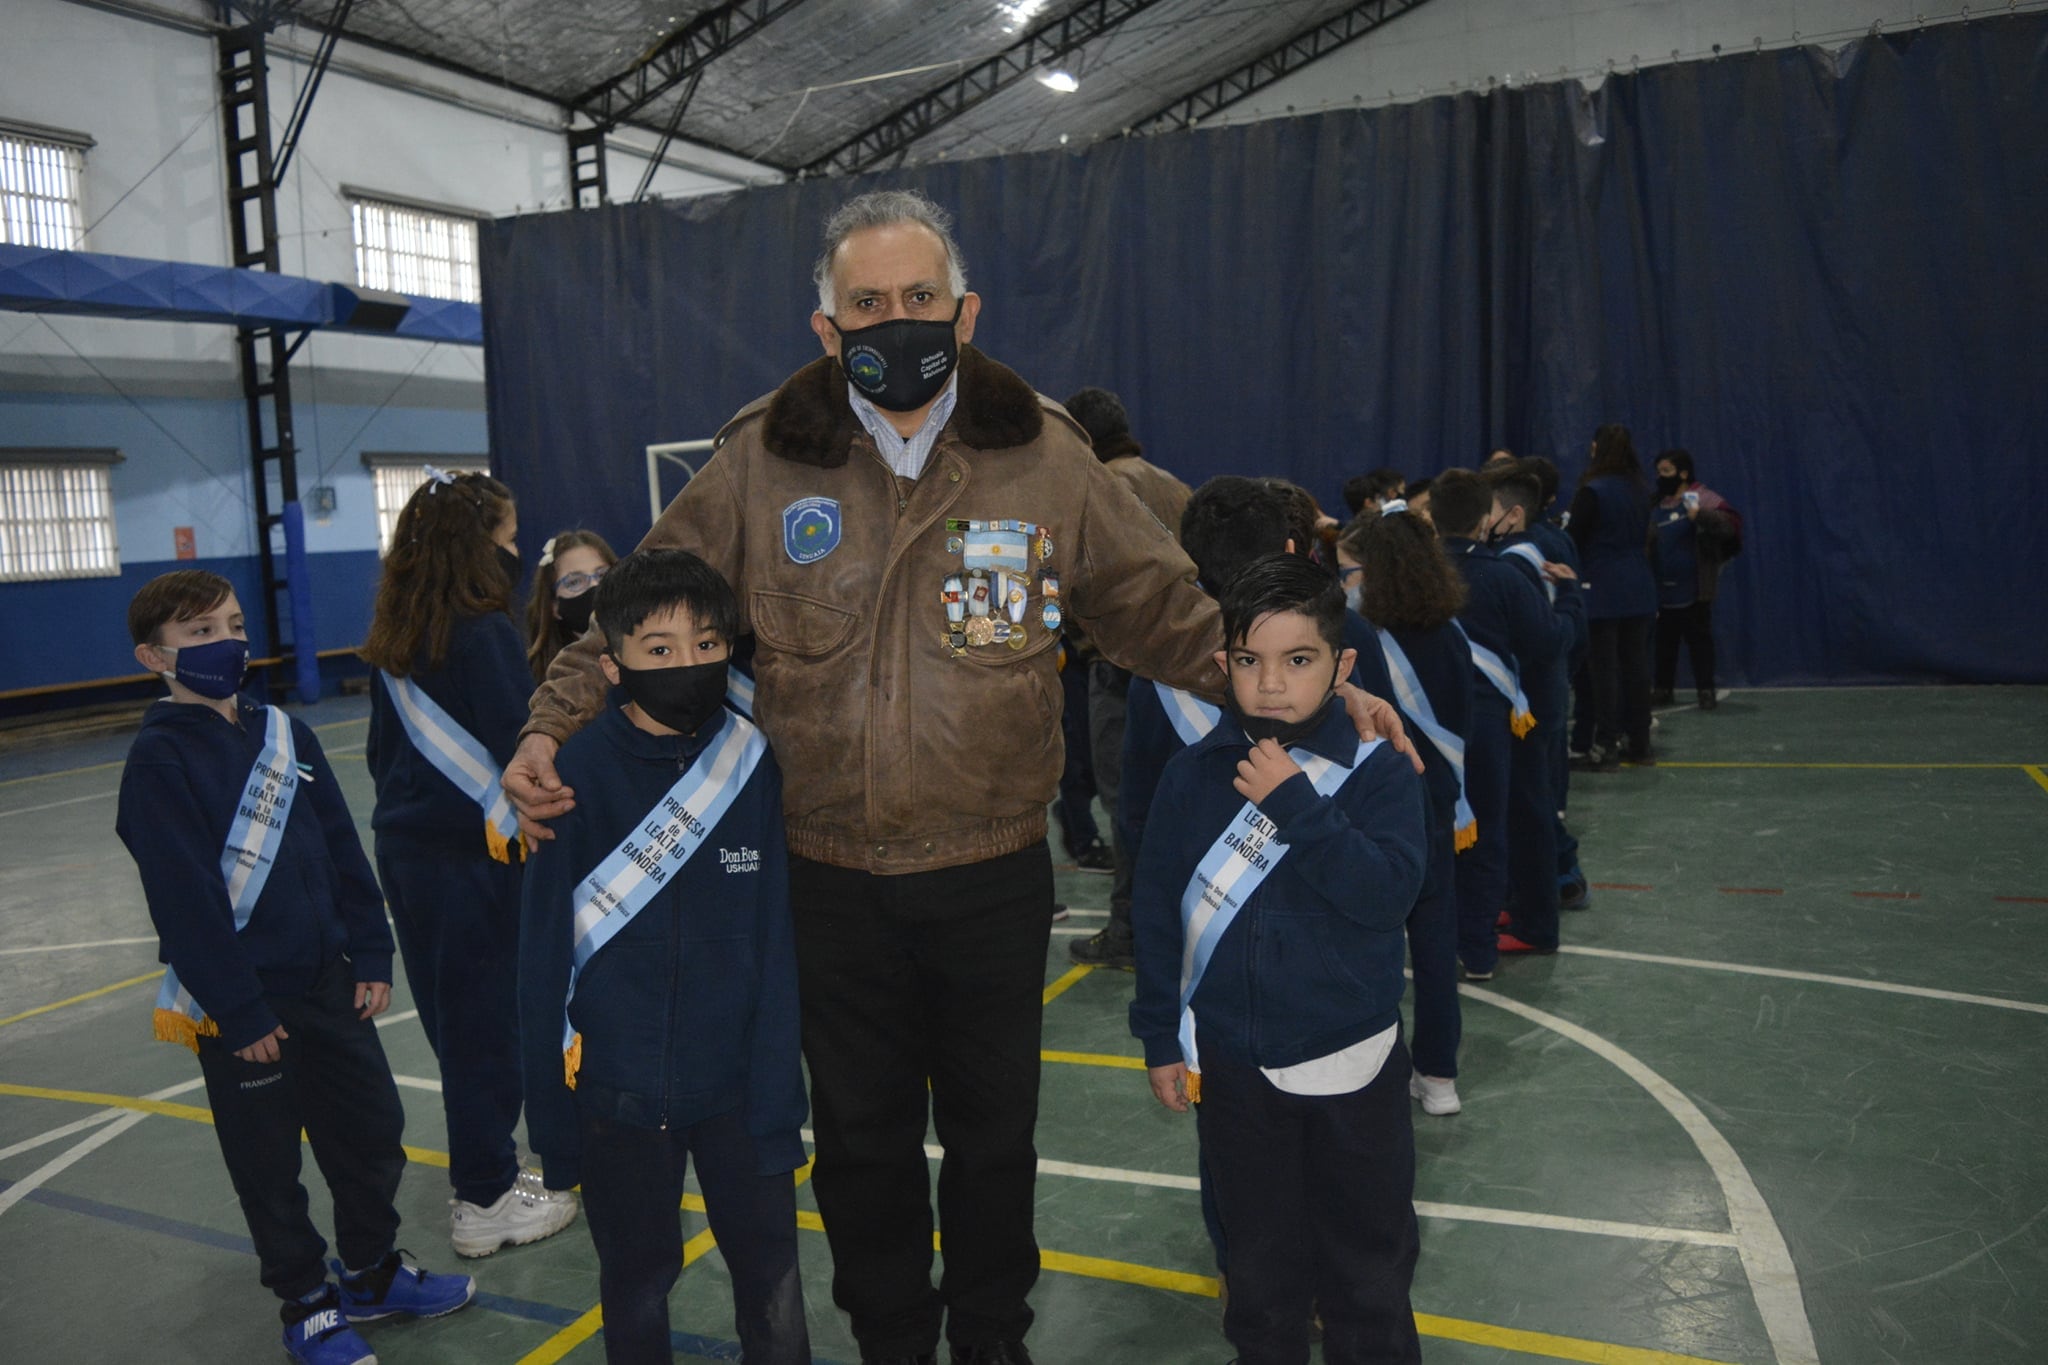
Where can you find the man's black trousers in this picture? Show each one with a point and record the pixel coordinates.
(927, 977)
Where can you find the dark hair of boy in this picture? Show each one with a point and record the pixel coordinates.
(1101, 414)
(1284, 582)
(176, 596)
(1417, 487)
(1547, 477)
(1514, 486)
(442, 564)
(545, 634)
(1681, 460)
(1373, 487)
(1408, 582)
(1231, 521)
(1458, 501)
(1302, 514)
(650, 581)
(1614, 453)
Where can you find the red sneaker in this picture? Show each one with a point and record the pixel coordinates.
(1505, 921)
(1510, 944)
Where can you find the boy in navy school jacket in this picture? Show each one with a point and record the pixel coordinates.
(681, 1037)
(1536, 775)
(1315, 854)
(274, 928)
(1508, 615)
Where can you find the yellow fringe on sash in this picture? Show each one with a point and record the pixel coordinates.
(1465, 838)
(1194, 1087)
(1522, 724)
(501, 847)
(176, 1026)
(572, 1060)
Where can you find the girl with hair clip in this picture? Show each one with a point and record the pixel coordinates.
(1396, 575)
(446, 709)
(564, 587)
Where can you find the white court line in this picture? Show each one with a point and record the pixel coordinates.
(65, 947)
(29, 1183)
(1088, 914)
(52, 805)
(1773, 1280)
(387, 1020)
(1892, 988)
(1082, 929)
(96, 1119)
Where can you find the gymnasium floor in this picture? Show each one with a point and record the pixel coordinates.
(1779, 1099)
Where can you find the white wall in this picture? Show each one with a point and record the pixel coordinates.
(1448, 45)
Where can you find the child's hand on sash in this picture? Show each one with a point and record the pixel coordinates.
(372, 998)
(1265, 768)
(1170, 1085)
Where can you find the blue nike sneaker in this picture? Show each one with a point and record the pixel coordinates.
(316, 1333)
(392, 1287)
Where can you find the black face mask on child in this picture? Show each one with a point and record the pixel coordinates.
(1285, 733)
(682, 698)
(575, 611)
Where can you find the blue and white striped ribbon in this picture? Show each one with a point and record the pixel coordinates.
(739, 692)
(1243, 856)
(1413, 700)
(245, 862)
(1505, 680)
(1191, 717)
(458, 756)
(1525, 550)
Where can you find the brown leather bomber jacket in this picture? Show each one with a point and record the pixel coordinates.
(899, 753)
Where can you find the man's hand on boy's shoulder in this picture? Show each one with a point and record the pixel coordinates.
(1376, 718)
(1262, 770)
(535, 789)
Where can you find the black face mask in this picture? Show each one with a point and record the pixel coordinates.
(575, 611)
(680, 698)
(509, 562)
(1666, 487)
(1285, 733)
(902, 364)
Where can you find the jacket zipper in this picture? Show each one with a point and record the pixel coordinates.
(675, 953)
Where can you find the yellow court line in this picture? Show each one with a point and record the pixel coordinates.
(1094, 1059)
(2034, 771)
(1896, 767)
(89, 995)
(1059, 987)
(64, 772)
(1582, 1350)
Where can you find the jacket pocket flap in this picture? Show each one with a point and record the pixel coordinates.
(798, 625)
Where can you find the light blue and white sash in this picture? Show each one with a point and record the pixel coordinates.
(1527, 551)
(1242, 857)
(457, 756)
(1413, 700)
(245, 862)
(739, 692)
(646, 859)
(1505, 680)
(1191, 717)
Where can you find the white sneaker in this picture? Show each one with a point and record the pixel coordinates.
(527, 1212)
(1438, 1097)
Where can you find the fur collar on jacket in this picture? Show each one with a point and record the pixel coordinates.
(810, 420)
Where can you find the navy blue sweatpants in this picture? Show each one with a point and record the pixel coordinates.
(1433, 955)
(457, 917)
(1483, 869)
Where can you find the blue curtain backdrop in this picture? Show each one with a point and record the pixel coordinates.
(1822, 273)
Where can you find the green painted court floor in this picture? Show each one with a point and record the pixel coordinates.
(1778, 1099)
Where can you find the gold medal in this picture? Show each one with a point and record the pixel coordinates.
(1017, 634)
(980, 630)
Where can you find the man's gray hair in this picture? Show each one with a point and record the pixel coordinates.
(886, 208)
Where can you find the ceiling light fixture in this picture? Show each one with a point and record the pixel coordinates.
(1059, 79)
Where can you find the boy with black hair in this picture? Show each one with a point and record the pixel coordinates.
(658, 1002)
(1514, 634)
(1370, 492)
(279, 958)
(1535, 776)
(1286, 855)
(1558, 547)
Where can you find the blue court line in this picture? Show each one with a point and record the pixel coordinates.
(547, 1314)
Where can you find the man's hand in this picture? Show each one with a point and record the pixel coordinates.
(264, 1049)
(535, 788)
(372, 998)
(1265, 768)
(1559, 573)
(1170, 1085)
(1376, 719)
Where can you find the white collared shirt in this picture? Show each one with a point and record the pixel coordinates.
(906, 456)
(1339, 1072)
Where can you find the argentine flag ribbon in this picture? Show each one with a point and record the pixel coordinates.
(1191, 717)
(1527, 551)
(739, 692)
(1506, 681)
(633, 873)
(1242, 857)
(1414, 703)
(457, 756)
(260, 814)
